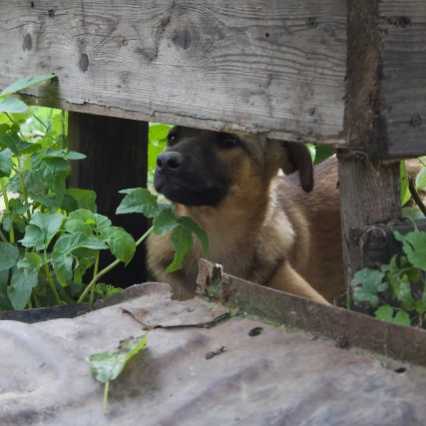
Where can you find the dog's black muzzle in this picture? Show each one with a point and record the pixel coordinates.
(188, 180)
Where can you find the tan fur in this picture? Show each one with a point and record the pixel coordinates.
(267, 229)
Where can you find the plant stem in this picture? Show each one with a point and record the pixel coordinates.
(46, 127)
(108, 268)
(36, 301)
(50, 280)
(11, 119)
(95, 272)
(12, 230)
(3, 237)
(23, 189)
(106, 392)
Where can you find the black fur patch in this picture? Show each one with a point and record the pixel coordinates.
(202, 178)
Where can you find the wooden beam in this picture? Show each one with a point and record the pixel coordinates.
(370, 194)
(116, 152)
(347, 328)
(370, 191)
(248, 65)
(386, 83)
(402, 25)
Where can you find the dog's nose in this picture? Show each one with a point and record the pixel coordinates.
(169, 160)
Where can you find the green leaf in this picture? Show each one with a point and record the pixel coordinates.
(404, 294)
(414, 246)
(84, 259)
(420, 305)
(402, 318)
(84, 198)
(84, 215)
(9, 255)
(41, 230)
(157, 137)
(24, 83)
(63, 267)
(122, 244)
(107, 290)
(74, 155)
(107, 366)
(405, 189)
(165, 221)
(31, 260)
(413, 213)
(67, 243)
(322, 152)
(102, 225)
(55, 165)
(138, 200)
(77, 226)
(196, 229)
(34, 237)
(12, 105)
(64, 154)
(5, 162)
(22, 283)
(5, 304)
(182, 243)
(9, 138)
(367, 283)
(421, 180)
(385, 313)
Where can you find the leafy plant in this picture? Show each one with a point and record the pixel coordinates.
(157, 137)
(140, 200)
(397, 291)
(107, 366)
(50, 235)
(410, 210)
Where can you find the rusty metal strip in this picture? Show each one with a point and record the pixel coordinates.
(348, 328)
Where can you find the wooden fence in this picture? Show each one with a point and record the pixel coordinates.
(348, 73)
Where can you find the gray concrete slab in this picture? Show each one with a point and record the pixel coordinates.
(279, 377)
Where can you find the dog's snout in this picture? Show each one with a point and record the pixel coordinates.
(171, 160)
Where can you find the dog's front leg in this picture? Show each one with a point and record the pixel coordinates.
(289, 280)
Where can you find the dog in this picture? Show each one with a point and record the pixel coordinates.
(262, 227)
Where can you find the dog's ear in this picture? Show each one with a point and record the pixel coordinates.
(296, 156)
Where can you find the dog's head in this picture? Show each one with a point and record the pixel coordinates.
(200, 167)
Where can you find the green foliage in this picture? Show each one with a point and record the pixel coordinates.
(107, 366)
(410, 211)
(164, 220)
(50, 235)
(157, 143)
(396, 291)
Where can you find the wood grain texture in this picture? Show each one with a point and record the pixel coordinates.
(116, 151)
(403, 28)
(369, 195)
(346, 327)
(252, 65)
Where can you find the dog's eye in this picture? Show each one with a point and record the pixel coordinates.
(229, 142)
(171, 138)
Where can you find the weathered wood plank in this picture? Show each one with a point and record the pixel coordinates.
(370, 191)
(370, 194)
(116, 151)
(254, 65)
(403, 28)
(346, 327)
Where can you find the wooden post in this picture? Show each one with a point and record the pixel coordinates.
(369, 195)
(370, 190)
(116, 152)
